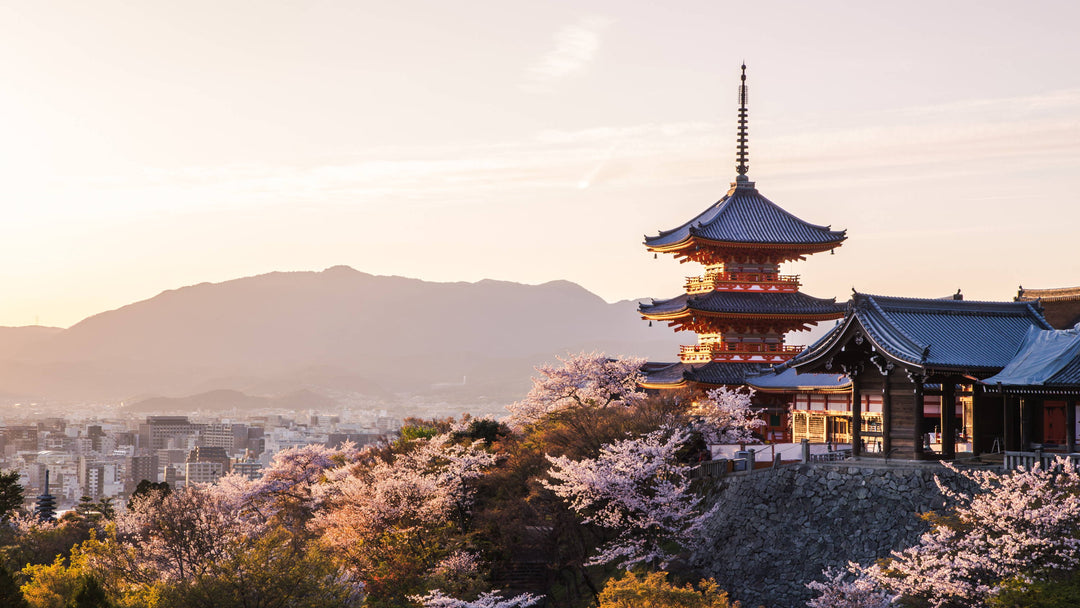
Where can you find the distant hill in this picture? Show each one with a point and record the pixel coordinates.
(225, 399)
(15, 339)
(339, 329)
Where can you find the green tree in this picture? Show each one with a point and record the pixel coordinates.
(1058, 592)
(11, 494)
(10, 596)
(88, 594)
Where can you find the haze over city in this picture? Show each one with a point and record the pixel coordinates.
(149, 148)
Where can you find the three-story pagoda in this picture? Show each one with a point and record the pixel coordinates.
(741, 307)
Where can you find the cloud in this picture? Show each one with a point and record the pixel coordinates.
(886, 149)
(575, 47)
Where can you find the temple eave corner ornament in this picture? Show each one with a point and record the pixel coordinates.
(916, 375)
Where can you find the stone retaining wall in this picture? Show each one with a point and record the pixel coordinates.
(776, 530)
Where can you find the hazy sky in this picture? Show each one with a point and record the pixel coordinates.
(146, 146)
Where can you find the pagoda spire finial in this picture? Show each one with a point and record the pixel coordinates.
(743, 153)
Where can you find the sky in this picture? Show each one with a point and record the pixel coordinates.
(147, 146)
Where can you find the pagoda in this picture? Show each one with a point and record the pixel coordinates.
(741, 307)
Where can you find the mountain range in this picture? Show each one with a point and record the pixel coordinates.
(336, 330)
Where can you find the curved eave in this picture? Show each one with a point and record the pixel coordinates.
(698, 383)
(662, 385)
(835, 340)
(686, 312)
(800, 389)
(694, 241)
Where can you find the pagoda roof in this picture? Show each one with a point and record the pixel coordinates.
(946, 334)
(785, 379)
(718, 373)
(745, 217)
(791, 304)
(1047, 359)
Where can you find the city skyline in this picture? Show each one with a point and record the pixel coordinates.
(148, 150)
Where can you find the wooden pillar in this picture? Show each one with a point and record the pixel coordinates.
(1025, 424)
(1070, 425)
(918, 380)
(886, 414)
(948, 419)
(1008, 423)
(856, 414)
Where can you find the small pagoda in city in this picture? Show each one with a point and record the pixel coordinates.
(741, 307)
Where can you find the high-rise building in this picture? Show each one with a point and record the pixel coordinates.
(161, 432)
(210, 454)
(141, 468)
(202, 472)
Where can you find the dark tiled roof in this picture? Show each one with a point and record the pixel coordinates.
(954, 334)
(663, 373)
(721, 372)
(746, 302)
(785, 378)
(744, 216)
(716, 372)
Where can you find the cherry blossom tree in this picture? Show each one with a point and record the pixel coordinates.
(583, 381)
(392, 522)
(637, 489)
(285, 490)
(725, 416)
(491, 599)
(1020, 528)
(850, 588)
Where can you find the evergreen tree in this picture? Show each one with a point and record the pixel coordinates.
(10, 596)
(11, 494)
(89, 594)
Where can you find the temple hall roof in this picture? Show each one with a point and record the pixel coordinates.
(1047, 358)
(755, 375)
(744, 216)
(1061, 306)
(758, 303)
(931, 334)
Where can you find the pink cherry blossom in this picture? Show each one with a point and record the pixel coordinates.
(636, 488)
(725, 416)
(585, 380)
(492, 599)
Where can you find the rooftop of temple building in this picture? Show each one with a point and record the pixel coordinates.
(744, 216)
(945, 334)
(763, 304)
(1048, 359)
(1061, 306)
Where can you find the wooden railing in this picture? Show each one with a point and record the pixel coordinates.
(832, 456)
(722, 351)
(742, 281)
(1015, 460)
(712, 469)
